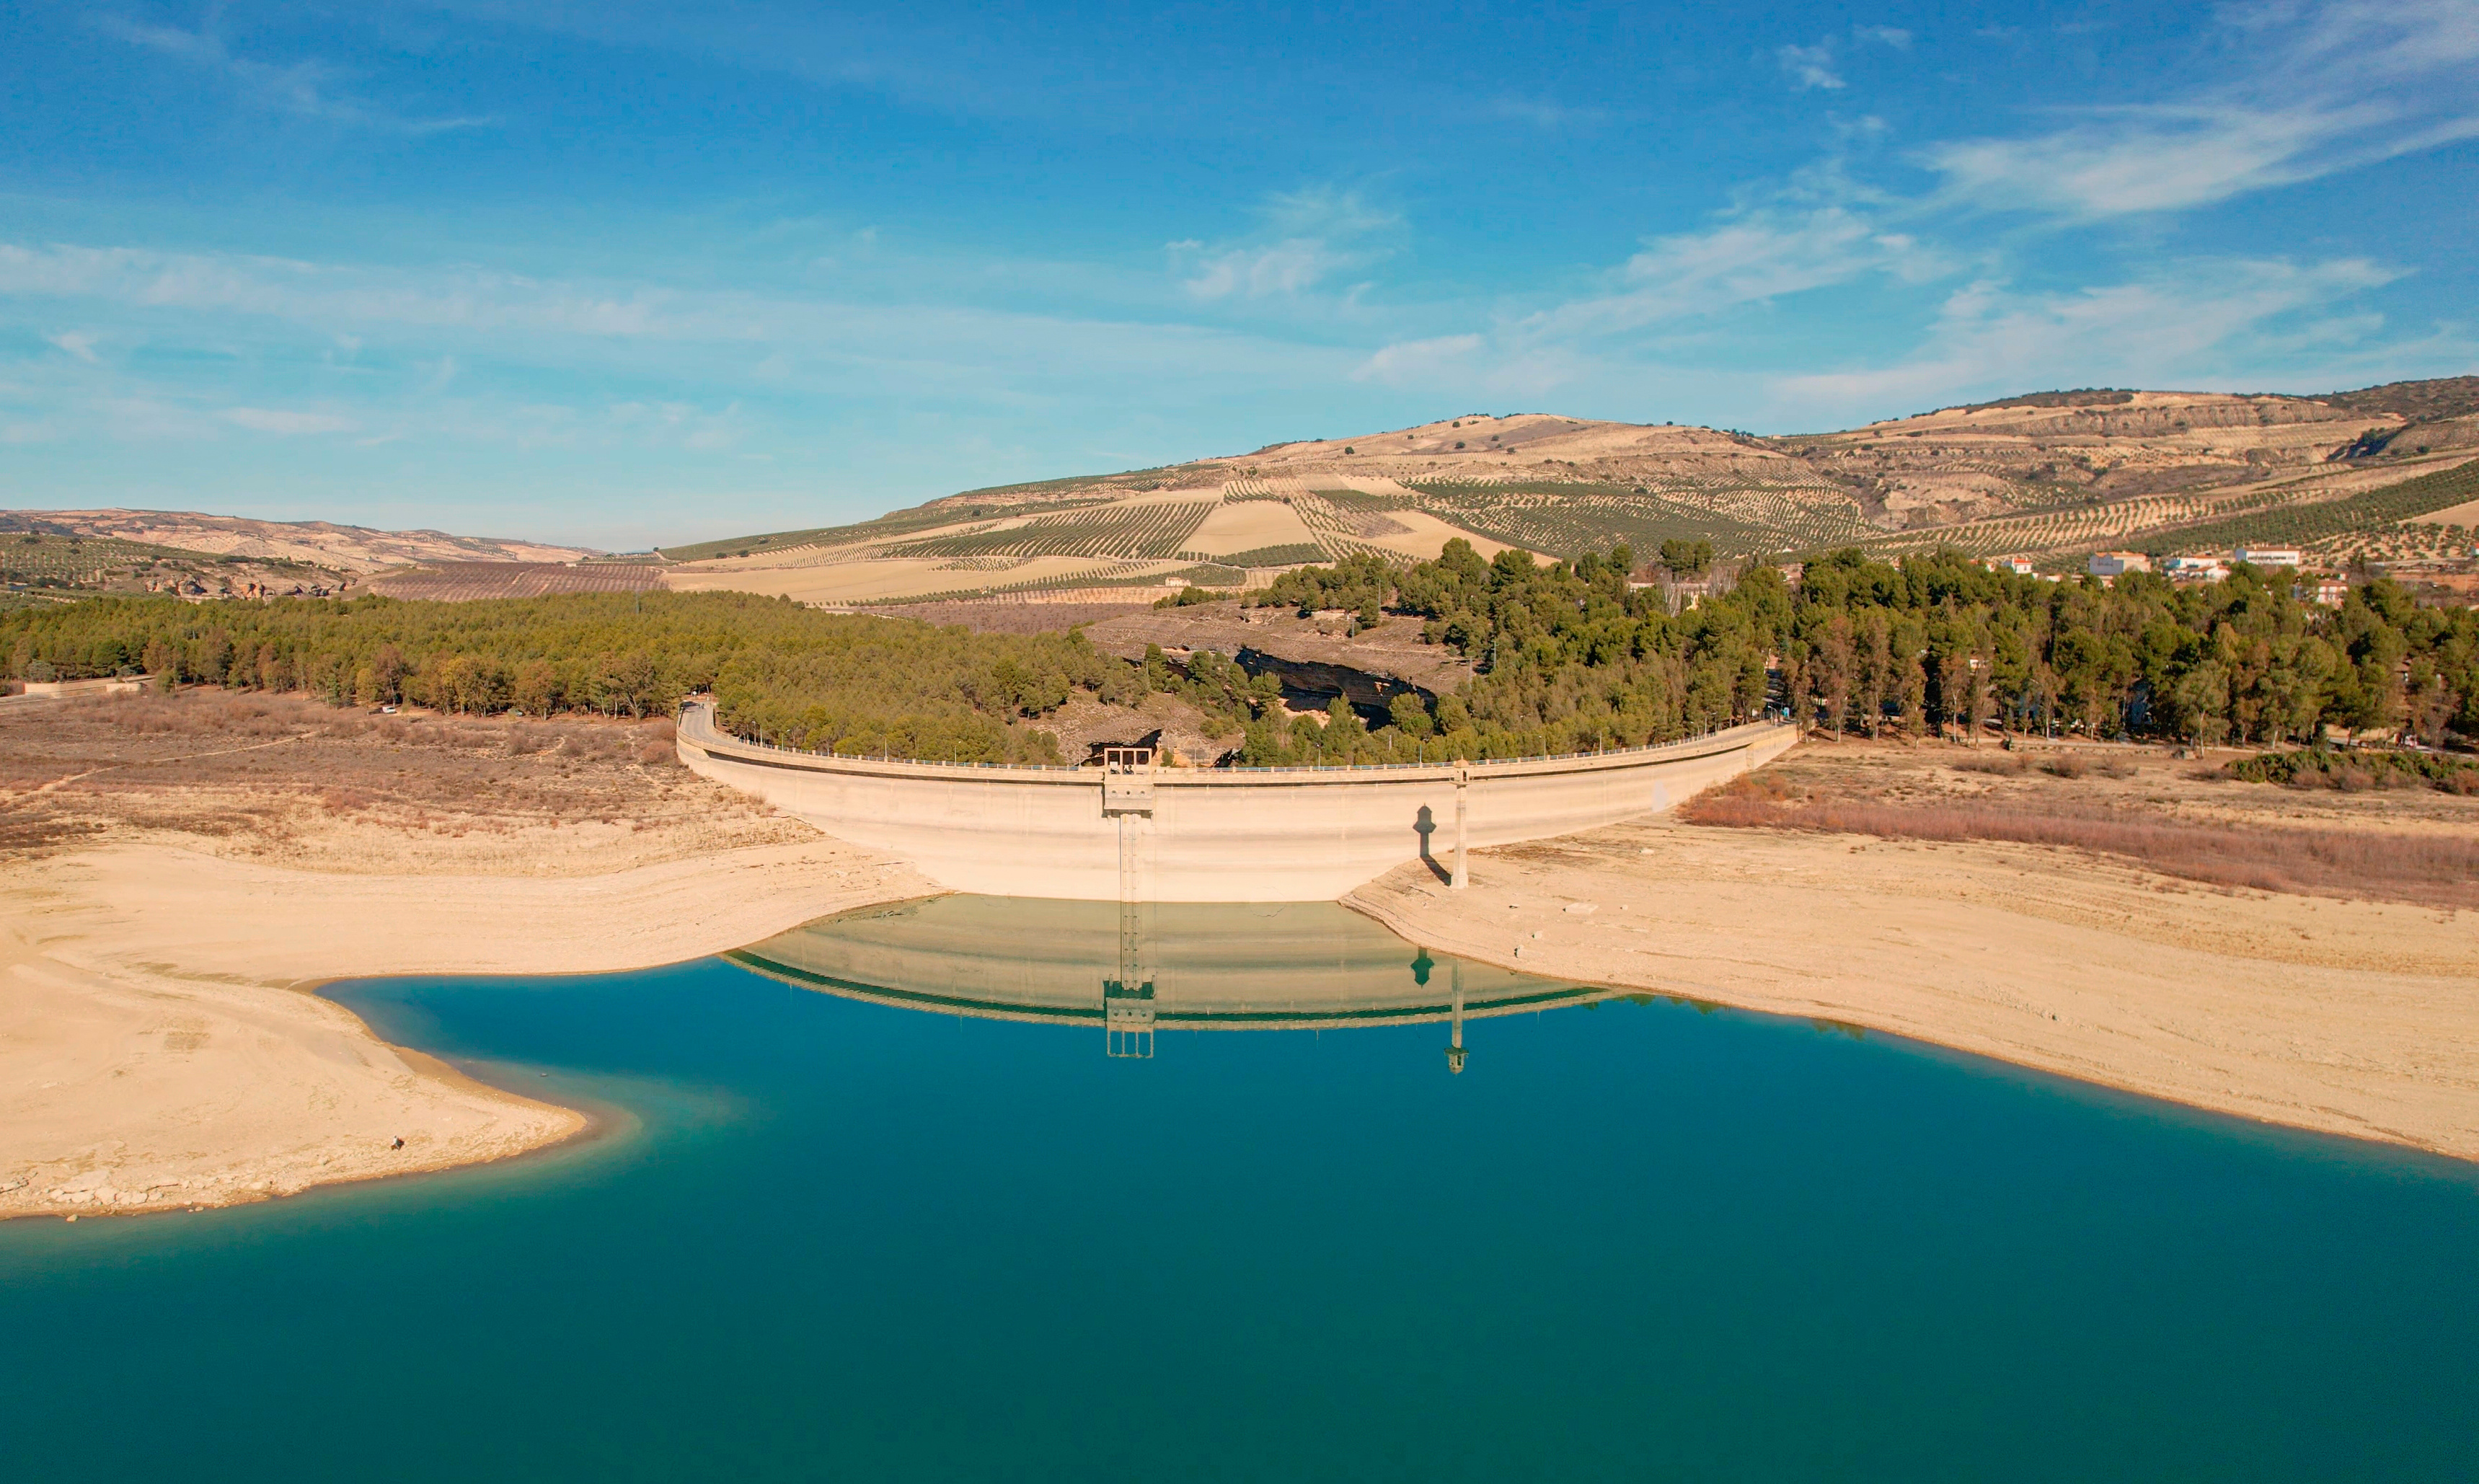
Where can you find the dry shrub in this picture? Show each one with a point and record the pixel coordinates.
(2002, 764)
(2433, 869)
(2065, 765)
(146, 715)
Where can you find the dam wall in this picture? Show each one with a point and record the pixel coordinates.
(1225, 835)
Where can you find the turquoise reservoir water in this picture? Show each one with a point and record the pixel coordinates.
(876, 1206)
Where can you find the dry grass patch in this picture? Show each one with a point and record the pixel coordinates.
(286, 779)
(2133, 808)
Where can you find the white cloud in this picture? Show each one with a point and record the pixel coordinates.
(1282, 267)
(1418, 359)
(1314, 233)
(76, 343)
(2196, 322)
(1327, 211)
(1749, 257)
(329, 296)
(1809, 67)
(1894, 37)
(2324, 89)
(2166, 159)
(302, 90)
(286, 424)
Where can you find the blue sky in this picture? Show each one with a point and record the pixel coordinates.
(621, 273)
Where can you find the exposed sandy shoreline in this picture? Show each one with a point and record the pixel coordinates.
(181, 872)
(179, 875)
(2349, 1017)
(159, 1048)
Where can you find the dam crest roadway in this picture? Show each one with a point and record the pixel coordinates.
(1133, 831)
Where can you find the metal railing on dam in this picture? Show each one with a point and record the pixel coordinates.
(1200, 834)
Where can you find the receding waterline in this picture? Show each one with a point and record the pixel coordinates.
(850, 1239)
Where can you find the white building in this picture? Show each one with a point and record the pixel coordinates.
(2194, 569)
(2118, 564)
(2266, 556)
(2020, 566)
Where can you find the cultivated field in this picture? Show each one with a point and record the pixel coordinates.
(468, 581)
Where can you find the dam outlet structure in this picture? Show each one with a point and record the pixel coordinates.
(1132, 831)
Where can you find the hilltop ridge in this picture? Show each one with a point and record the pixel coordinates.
(2382, 471)
(2386, 472)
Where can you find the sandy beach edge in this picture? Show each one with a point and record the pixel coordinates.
(167, 1041)
(2095, 994)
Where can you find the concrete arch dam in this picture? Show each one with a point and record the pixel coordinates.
(1131, 832)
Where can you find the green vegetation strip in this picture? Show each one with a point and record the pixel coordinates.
(2297, 526)
(1571, 657)
(2327, 768)
(1288, 554)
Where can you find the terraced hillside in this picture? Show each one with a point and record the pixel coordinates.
(41, 562)
(2052, 475)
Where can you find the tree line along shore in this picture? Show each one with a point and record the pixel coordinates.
(1571, 656)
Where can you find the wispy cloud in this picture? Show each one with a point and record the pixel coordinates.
(2325, 89)
(76, 343)
(2195, 322)
(1314, 233)
(1810, 67)
(1547, 116)
(285, 424)
(306, 89)
(1749, 256)
(421, 335)
(1418, 359)
(1284, 267)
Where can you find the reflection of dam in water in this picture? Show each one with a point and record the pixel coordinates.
(1189, 966)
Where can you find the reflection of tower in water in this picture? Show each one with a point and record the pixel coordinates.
(1190, 966)
(1128, 1000)
(1421, 964)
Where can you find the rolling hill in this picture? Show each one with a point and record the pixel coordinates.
(2388, 471)
(2051, 474)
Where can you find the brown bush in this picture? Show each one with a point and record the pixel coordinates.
(2065, 765)
(2002, 764)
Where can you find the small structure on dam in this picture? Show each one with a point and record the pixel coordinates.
(1134, 831)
